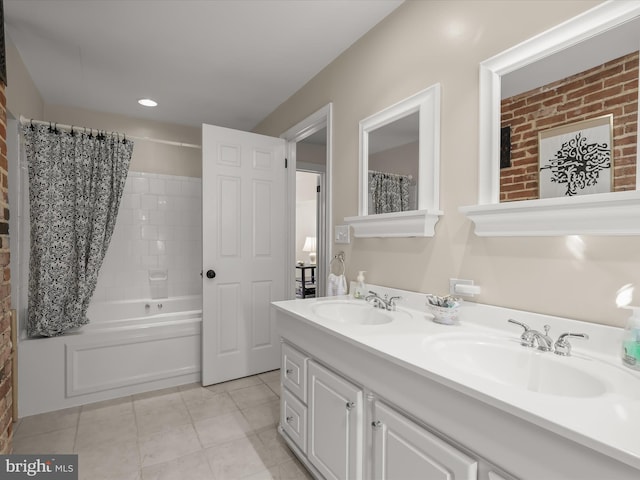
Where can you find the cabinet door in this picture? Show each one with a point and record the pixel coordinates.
(403, 450)
(335, 412)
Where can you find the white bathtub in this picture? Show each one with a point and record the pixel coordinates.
(128, 347)
(134, 313)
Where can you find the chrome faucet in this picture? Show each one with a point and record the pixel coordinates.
(532, 338)
(543, 340)
(385, 303)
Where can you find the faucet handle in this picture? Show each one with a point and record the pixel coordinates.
(562, 345)
(523, 325)
(392, 302)
(525, 339)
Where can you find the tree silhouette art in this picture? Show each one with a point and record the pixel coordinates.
(579, 163)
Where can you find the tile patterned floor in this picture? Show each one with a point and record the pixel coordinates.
(223, 432)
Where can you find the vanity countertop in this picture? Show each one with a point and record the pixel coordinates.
(605, 420)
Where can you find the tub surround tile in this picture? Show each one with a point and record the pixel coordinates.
(155, 207)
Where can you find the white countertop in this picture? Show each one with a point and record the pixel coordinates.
(607, 422)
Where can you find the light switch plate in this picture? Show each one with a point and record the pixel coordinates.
(342, 234)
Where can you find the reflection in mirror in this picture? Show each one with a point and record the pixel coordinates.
(393, 166)
(399, 169)
(556, 101)
(602, 84)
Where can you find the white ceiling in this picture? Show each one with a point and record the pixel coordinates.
(223, 62)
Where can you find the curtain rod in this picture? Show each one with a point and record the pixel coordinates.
(24, 120)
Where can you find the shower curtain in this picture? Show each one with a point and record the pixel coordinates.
(388, 192)
(76, 180)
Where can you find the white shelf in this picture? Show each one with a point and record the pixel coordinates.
(415, 223)
(615, 213)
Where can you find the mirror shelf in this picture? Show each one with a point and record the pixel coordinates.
(598, 214)
(418, 222)
(414, 223)
(614, 213)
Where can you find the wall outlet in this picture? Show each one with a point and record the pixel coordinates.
(342, 234)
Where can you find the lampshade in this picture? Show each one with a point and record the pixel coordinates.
(309, 245)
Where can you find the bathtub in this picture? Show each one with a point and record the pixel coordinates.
(129, 347)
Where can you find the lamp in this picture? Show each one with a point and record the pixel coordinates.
(310, 246)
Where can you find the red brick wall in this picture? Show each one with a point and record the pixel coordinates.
(608, 88)
(6, 420)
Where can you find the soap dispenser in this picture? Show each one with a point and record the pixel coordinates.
(360, 288)
(631, 340)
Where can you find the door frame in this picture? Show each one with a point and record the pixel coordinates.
(318, 120)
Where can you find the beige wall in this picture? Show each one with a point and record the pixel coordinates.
(422, 43)
(24, 99)
(147, 156)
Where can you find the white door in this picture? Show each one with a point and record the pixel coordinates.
(403, 450)
(334, 424)
(243, 251)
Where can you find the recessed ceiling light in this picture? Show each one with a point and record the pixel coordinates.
(147, 102)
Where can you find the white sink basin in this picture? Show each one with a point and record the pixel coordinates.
(509, 363)
(351, 312)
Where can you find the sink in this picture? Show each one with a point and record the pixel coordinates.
(357, 313)
(506, 362)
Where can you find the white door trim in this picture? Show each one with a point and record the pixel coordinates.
(316, 121)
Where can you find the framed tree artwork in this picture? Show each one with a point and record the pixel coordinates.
(576, 159)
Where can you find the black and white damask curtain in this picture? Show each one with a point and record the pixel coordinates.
(76, 180)
(388, 192)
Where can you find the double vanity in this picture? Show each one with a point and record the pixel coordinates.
(374, 393)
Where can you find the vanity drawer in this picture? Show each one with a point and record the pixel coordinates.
(294, 371)
(293, 418)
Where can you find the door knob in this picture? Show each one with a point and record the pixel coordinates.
(211, 274)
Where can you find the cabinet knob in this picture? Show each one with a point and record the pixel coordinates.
(376, 424)
(350, 405)
(289, 371)
(289, 419)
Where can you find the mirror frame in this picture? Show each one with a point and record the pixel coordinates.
(413, 223)
(615, 213)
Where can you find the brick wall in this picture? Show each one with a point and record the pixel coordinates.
(608, 88)
(6, 420)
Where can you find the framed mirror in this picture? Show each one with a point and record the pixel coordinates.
(592, 47)
(399, 169)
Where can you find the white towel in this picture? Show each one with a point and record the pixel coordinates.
(337, 285)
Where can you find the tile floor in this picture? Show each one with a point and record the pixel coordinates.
(223, 432)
